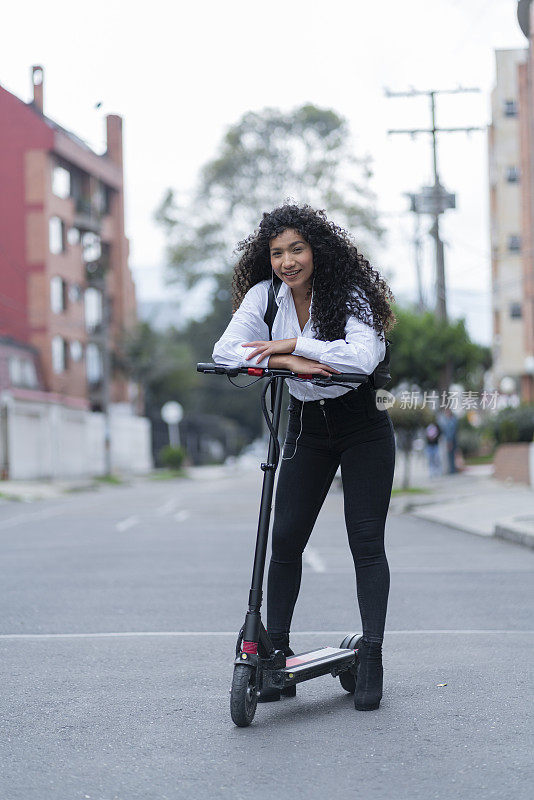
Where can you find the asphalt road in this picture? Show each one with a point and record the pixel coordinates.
(119, 616)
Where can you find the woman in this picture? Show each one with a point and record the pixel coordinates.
(333, 314)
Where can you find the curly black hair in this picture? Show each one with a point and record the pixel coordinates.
(339, 271)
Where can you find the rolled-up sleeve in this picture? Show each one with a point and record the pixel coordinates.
(247, 324)
(361, 350)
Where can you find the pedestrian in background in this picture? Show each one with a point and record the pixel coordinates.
(432, 434)
(449, 427)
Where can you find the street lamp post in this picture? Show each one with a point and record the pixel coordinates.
(172, 413)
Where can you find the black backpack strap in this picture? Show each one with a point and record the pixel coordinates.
(272, 307)
(381, 375)
(268, 318)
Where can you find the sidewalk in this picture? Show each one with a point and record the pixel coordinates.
(29, 491)
(472, 501)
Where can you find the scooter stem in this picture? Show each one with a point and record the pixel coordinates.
(251, 632)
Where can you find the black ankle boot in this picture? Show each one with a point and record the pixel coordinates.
(370, 676)
(280, 642)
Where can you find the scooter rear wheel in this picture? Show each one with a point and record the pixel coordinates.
(243, 697)
(347, 680)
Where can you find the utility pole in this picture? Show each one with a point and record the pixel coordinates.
(437, 197)
(106, 375)
(97, 269)
(417, 245)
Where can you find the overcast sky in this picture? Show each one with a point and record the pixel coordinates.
(181, 73)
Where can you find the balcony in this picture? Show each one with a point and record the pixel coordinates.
(87, 217)
(95, 270)
(95, 332)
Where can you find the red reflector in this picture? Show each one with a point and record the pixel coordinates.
(255, 371)
(250, 647)
(304, 376)
(292, 662)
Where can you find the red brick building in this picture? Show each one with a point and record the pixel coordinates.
(63, 252)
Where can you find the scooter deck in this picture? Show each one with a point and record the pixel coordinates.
(303, 666)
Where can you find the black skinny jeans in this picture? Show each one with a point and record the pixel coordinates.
(349, 430)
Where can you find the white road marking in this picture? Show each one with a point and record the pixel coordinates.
(182, 515)
(458, 570)
(167, 507)
(313, 559)
(124, 524)
(141, 634)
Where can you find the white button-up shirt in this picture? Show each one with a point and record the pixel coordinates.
(361, 350)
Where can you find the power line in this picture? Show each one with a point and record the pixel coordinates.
(437, 194)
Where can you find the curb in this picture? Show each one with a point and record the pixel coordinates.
(519, 530)
(516, 529)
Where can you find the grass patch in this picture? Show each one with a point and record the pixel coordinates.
(112, 480)
(168, 474)
(6, 496)
(474, 460)
(411, 490)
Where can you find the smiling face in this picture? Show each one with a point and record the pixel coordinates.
(292, 259)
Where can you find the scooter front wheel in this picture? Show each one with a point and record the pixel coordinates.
(243, 697)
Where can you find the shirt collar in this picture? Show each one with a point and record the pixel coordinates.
(284, 292)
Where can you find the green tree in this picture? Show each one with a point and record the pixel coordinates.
(423, 345)
(215, 393)
(429, 354)
(267, 156)
(161, 363)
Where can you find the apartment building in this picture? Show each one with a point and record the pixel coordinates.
(525, 14)
(65, 285)
(506, 228)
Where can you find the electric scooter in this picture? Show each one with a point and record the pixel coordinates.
(257, 664)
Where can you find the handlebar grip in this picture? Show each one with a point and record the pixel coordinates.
(218, 369)
(350, 377)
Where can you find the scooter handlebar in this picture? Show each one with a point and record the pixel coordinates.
(338, 377)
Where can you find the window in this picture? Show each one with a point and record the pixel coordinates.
(73, 236)
(496, 324)
(75, 292)
(514, 243)
(29, 374)
(93, 362)
(15, 371)
(510, 108)
(61, 182)
(93, 308)
(512, 174)
(100, 199)
(22, 372)
(76, 350)
(515, 311)
(56, 235)
(58, 294)
(59, 354)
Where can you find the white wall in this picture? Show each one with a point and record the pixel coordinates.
(49, 440)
